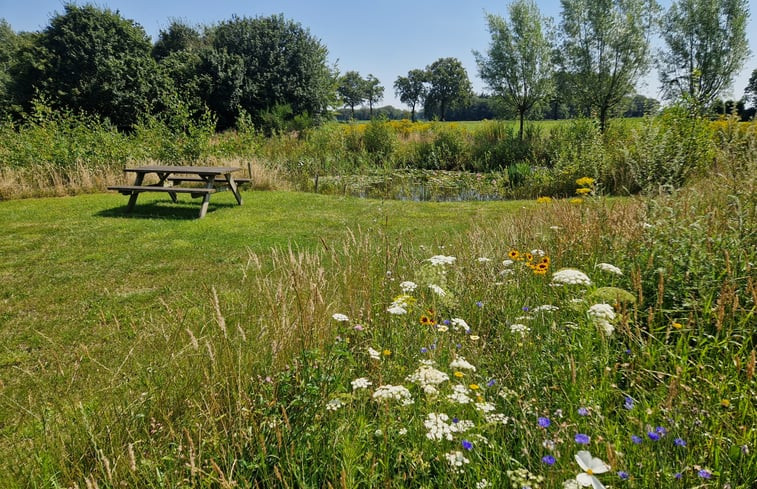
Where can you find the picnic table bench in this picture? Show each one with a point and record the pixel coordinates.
(207, 175)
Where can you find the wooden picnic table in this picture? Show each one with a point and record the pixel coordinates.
(207, 175)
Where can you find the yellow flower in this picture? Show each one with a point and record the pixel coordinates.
(427, 321)
(677, 325)
(544, 200)
(459, 375)
(539, 271)
(585, 182)
(514, 255)
(529, 257)
(473, 387)
(583, 191)
(387, 352)
(545, 260)
(576, 200)
(725, 403)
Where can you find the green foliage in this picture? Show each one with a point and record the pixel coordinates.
(380, 140)
(706, 45)
(261, 63)
(447, 150)
(179, 37)
(448, 86)
(351, 90)
(411, 89)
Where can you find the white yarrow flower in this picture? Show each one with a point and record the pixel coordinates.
(374, 354)
(360, 383)
(456, 459)
(519, 328)
(393, 393)
(437, 290)
(427, 375)
(570, 276)
(407, 286)
(334, 404)
(461, 364)
(607, 267)
(545, 308)
(340, 317)
(441, 260)
(396, 309)
(458, 324)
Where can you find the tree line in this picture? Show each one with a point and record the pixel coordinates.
(272, 72)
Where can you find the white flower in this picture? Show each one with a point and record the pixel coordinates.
(462, 426)
(538, 252)
(441, 260)
(393, 392)
(456, 459)
(462, 364)
(606, 267)
(361, 383)
(437, 426)
(519, 328)
(590, 466)
(396, 310)
(458, 324)
(496, 418)
(570, 276)
(438, 290)
(482, 484)
(546, 308)
(408, 286)
(442, 328)
(602, 314)
(374, 354)
(570, 484)
(402, 431)
(426, 375)
(485, 407)
(507, 263)
(340, 317)
(484, 259)
(459, 394)
(334, 404)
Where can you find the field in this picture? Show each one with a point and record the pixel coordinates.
(281, 343)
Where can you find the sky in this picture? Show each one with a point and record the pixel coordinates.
(385, 38)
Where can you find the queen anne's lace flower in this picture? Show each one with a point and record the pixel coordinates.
(361, 383)
(462, 364)
(602, 314)
(545, 308)
(519, 328)
(437, 290)
(393, 392)
(407, 286)
(570, 276)
(427, 375)
(606, 267)
(441, 260)
(334, 404)
(340, 317)
(396, 310)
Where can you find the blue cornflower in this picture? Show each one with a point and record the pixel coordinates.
(636, 439)
(623, 475)
(653, 436)
(446, 322)
(479, 304)
(424, 349)
(455, 420)
(679, 442)
(548, 459)
(628, 403)
(544, 422)
(678, 475)
(704, 474)
(467, 445)
(525, 308)
(582, 439)
(458, 345)
(491, 382)
(661, 431)
(628, 351)
(583, 411)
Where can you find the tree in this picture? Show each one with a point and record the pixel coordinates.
(261, 64)
(518, 64)
(411, 89)
(449, 85)
(750, 92)
(706, 45)
(374, 92)
(351, 90)
(93, 60)
(178, 37)
(605, 48)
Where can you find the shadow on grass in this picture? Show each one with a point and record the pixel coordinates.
(163, 209)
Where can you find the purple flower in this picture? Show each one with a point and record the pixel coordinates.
(548, 459)
(661, 431)
(491, 382)
(628, 403)
(628, 351)
(653, 436)
(582, 439)
(623, 475)
(455, 420)
(446, 322)
(704, 474)
(636, 439)
(458, 345)
(424, 350)
(679, 442)
(525, 308)
(480, 304)
(583, 411)
(467, 445)
(544, 422)
(678, 475)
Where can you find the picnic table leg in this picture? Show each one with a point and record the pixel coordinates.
(206, 198)
(234, 188)
(134, 195)
(162, 183)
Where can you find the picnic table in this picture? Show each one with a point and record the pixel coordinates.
(214, 178)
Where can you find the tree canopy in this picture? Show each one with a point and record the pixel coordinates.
(411, 89)
(448, 86)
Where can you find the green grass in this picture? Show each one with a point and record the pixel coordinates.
(158, 350)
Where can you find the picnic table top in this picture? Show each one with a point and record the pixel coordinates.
(197, 170)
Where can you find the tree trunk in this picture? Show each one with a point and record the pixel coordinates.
(521, 114)
(412, 113)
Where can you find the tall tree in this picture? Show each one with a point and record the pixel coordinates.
(178, 37)
(266, 63)
(374, 92)
(518, 64)
(449, 85)
(750, 92)
(605, 47)
(706, 45)
(351, 90)
(93, 60)
(411, 89)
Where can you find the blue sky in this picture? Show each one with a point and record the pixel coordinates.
(386, 38)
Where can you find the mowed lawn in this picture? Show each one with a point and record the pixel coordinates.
(79, 278)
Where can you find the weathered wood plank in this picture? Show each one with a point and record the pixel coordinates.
(128, 189)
